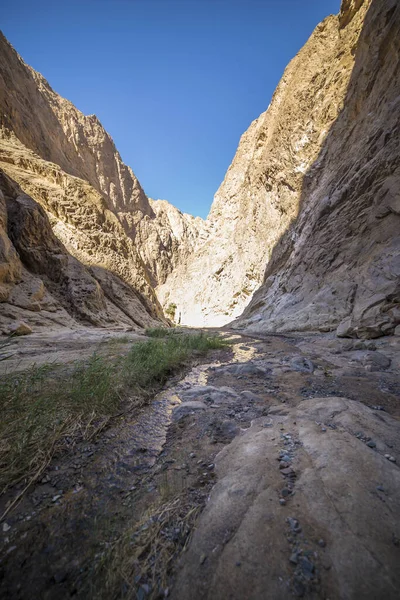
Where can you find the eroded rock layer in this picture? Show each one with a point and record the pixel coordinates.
(42, 284)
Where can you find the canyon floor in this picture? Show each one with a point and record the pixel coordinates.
(267, 470)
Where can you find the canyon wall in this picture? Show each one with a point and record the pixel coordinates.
(43, 285)
(303, 233)
(337, 266)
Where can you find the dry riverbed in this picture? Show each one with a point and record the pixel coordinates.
(269, 469)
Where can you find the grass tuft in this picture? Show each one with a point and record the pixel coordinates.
(44, 405)
(159, 332)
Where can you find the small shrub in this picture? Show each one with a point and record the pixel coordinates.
(171, 310)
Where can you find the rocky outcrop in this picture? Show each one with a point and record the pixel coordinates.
(324, 542)
(43, 284)
(167, 238)
(338, 264)
(311, 194)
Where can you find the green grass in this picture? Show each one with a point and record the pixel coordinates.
(45, 405)
(159, 332)
(46, 409)
(154, 361)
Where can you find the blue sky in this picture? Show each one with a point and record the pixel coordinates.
(175, 82)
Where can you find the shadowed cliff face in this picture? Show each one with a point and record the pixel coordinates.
(338, 265)
(261, 193)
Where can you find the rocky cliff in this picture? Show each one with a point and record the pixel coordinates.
(43, 284)
(337, 265)
(69, 165)
(311, 193)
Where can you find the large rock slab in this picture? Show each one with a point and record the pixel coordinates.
(337, 535)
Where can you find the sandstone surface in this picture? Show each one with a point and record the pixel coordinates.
(325, 540)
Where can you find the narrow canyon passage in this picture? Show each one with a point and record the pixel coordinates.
(258, 475)
(201, 407)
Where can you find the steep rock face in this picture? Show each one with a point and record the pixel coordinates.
(40, 276)
(58, 132)
(69, 164)
(338, 265)
(167, 238)
(43, 284)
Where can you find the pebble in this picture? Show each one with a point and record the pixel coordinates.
(307, 567)
(285, 492)
(6, 527)
(391, 458)
(192, 455)
(371, 444)
(380, 488)
(282, 501)
(321, 543)
(299, 589)
(55, 498)
(203, 558)
(323, 429)
(288, 471)
(284, 464)
(294, 525)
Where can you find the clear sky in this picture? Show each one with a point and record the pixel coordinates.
(175, 82)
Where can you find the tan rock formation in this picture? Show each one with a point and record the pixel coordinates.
(56, 131)
(68, 164)
(308, 209)
(44, 285)
(167, 238)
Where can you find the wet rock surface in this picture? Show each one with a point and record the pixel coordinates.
(290, 468)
